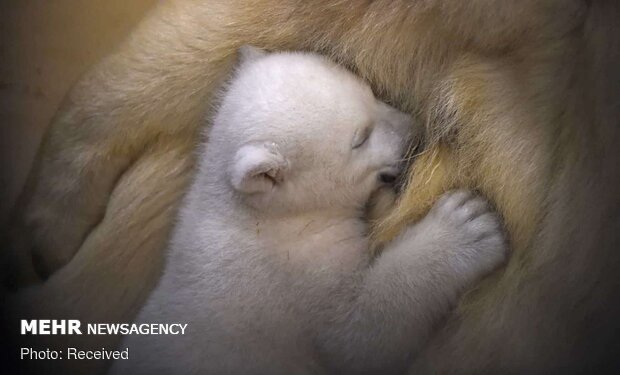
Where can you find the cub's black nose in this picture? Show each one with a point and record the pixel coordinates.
(387, 178)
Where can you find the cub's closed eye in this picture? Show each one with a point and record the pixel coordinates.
(361, 136)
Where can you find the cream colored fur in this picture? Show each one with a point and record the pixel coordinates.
(520, 101)
(269, 263)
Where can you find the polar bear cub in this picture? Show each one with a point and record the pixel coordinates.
(269, 264)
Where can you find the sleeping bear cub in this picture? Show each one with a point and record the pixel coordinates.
(269, 264)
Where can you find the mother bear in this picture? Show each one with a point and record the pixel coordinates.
(521, 101)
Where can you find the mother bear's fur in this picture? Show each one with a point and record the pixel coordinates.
(520, 101)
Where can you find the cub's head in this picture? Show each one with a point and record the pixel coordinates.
(297, 132)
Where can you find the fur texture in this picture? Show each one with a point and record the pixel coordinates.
(270, 264)
(520, 101)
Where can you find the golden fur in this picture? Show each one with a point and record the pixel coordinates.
(520, 101)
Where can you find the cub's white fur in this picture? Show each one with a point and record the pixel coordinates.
(269, 264)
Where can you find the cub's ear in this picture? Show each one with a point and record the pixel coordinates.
(249, 53)
(257, 168)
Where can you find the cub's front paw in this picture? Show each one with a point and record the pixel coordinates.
(470, 227)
